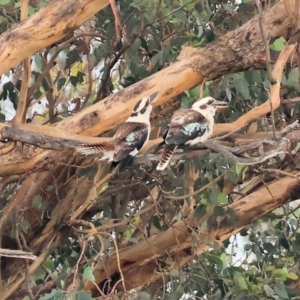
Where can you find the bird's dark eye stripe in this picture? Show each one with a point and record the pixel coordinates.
(204, 106)
(210, 102)
(137, 105)
(143, 109)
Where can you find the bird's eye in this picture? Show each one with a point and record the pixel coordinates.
(210, 102)
(135, 108)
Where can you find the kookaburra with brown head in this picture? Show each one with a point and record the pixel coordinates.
(129, 138)
(189, 127)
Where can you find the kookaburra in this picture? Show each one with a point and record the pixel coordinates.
(129, 138)
(189, 127)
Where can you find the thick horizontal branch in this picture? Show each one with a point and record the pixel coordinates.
(48, 142)
(178, 238)
(43, 28)
(37, 139)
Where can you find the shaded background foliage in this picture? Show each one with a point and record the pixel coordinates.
(94, 66)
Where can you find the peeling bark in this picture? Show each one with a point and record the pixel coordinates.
(43, 28)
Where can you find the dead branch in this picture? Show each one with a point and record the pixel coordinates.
(17, 254)
(37, 139)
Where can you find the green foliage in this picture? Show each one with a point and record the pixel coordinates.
(6, 2)
(88, 273)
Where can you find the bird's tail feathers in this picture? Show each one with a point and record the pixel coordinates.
(166, 157)
(94, 149)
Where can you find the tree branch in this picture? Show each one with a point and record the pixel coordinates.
(43, 28)
(37, 139)
(178, 240)
(53, 143)
(22, 104)
(17, 253)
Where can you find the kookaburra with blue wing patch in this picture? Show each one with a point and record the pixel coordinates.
(129, 138)
(189, 127)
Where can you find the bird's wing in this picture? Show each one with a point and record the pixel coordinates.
(129, 139)
(185, 125)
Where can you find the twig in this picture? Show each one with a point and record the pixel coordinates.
(279, 172)
(169, 13)
(291, 100)
(22, 104)
(267, 187)
(90, 78)
(37, 290)
(224, 136)
(51, 61)
(202, 87)
(266, 43)
(268, 61)
(119, 265)
(32, 268)
(17, 254)
(118, 25)
(109, 68)
(245, 161)
(77, 263)
(279, 216)
(157, 9)
(203, 188)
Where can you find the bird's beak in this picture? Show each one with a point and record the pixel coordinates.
(152, 97)
(220, 104)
